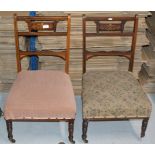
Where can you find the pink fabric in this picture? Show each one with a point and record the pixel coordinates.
(41, 95)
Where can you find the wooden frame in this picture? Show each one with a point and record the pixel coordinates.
(128, 54)
(41, 20)
(115, 30)
(52, 21)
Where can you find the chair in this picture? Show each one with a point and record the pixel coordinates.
(41, 95)
(112, 95)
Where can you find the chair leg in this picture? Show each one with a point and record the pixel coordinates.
(9, 129)
(71, 130)
(1, 112)
(84, 130)
(144, 126)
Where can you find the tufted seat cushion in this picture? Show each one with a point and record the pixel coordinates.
(113, 94)
(41, 95)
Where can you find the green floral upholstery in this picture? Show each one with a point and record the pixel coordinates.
(113, 94)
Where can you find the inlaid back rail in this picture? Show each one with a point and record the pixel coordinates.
(42, 26)
(109, 28)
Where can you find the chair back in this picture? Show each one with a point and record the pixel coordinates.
(110, 27)
(41, 26)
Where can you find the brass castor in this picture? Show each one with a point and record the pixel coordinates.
(84, 139)
(12, 140)
(71, 140)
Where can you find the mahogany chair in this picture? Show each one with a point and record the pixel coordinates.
(41, 95)
(112, 95)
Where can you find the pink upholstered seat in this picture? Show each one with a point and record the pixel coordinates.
(41, 95)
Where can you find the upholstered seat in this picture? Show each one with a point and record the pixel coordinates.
(113, 94)
(41, 95)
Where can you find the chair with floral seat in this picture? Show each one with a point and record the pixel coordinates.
(41, 95)
(112, 95)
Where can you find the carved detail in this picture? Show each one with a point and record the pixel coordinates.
(144, 126)
(71, 130)
(110, 26)
(9, 129)
(1, 112)
(40, 26)
(84, 130)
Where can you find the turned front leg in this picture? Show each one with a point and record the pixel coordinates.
(144, 126)
(84, 130)
(9, 129)
(71, 130)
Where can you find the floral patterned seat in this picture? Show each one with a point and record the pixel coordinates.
(113, 94)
